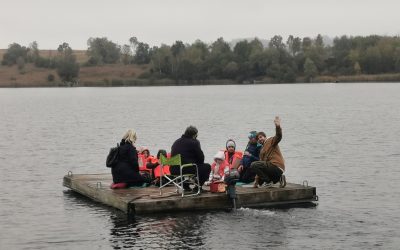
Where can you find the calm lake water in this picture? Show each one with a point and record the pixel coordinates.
(343, 138)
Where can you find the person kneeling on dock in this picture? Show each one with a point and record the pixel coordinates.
(271, 166)
(126, 172)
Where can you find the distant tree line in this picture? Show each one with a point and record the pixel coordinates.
(64, 62)
(281, 61)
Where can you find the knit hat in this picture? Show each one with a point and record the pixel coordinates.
(219, 155)
(142, 149)
(252, 134)
(230, 143)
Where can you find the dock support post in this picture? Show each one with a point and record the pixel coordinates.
(131, 210)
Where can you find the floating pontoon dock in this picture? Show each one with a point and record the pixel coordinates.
(148, 200)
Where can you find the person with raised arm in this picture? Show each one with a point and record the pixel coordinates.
(271, 166)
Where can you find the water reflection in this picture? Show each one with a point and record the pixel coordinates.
(243, 228)
(166, 231)
(162, 231)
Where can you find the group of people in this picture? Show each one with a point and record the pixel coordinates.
(261, 162)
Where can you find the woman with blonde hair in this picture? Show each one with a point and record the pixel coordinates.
(126, 171)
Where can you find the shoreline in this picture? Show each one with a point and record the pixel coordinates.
(168, 82)
(133, 76)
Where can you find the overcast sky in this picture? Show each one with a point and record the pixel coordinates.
(51, 22)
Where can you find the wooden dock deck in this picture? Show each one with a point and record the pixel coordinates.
(148, 200)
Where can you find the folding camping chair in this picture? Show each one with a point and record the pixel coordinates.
(179, 180)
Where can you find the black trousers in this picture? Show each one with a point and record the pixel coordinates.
(247, 175)
(204, 171)
(266, 171)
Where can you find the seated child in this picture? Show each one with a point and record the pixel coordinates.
(218, 169)
(157, 168)
(144, 158)
(232, 156)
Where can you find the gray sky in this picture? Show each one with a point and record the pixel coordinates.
(51, 22)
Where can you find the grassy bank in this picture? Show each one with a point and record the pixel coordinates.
(360, 78)
(129, 75)
(105, 75)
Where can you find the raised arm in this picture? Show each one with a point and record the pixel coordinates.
(278, 133)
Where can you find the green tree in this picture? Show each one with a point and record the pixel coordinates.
(242, 51)
(231, 70)
(193, 61)
(371, 61)
(220, 55)
(294, 45)
(161, 60)
(14, 52)
(67, 67)
(20, 63)
(289, 75)
(257, 60)
(126, 54)
(134, 42)
(387, 51)
(143, 53)
(319, 41)
(201, 49)
(316, 52)
(177, 50)
(306, 44)
(340, 51)
(357, 68)
(33, 52)
(280, 64)
(397, 59)
(276, 42)
(101, 50)
(310, 70)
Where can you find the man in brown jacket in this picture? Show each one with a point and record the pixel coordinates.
(271, 166)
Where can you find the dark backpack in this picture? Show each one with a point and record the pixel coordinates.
(113, 156)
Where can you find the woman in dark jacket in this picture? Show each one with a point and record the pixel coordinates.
(127, 168)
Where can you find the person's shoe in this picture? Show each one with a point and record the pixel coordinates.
(196, 189)
(256, 182)
(266, 184)
(186, 188)
(282, 181)
(156, 182)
